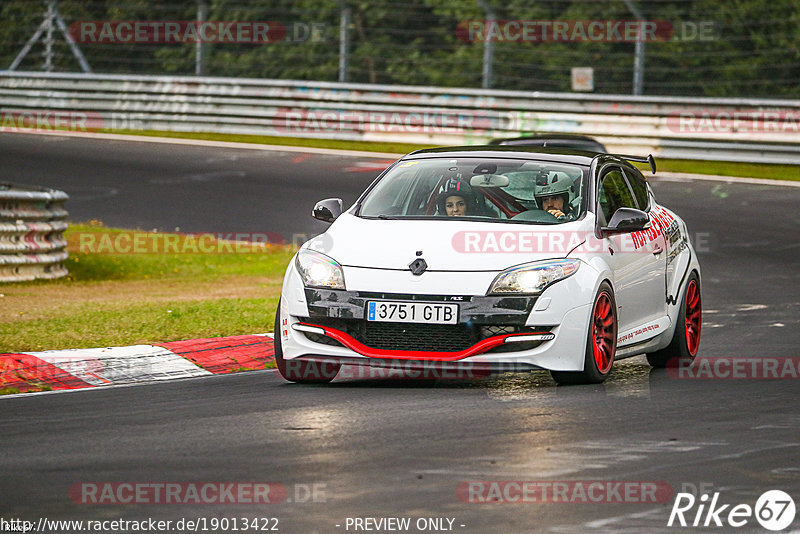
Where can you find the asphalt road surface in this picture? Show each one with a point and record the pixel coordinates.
(195, 188)
(377, 447)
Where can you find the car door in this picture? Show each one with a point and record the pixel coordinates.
(637, 260)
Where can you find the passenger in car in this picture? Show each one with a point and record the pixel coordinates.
(455, 206)
(457, 200)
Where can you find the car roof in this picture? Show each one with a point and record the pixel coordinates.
(555, 155)
(572, 139)
(564, 155)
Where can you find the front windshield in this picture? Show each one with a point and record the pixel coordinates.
(480, 188)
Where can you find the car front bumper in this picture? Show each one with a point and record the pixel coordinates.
(501, 333)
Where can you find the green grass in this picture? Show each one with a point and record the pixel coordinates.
(722, 168)
(730, 168)
(339, 144)
(91, 258)
(90, 326)
(124, 299)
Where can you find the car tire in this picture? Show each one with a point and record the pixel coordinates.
(301, 372)
(601, 342)
(686, 338)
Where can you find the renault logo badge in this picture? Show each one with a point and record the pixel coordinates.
(418, 266)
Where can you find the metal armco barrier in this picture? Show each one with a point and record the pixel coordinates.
(730, 129)
(32, 222)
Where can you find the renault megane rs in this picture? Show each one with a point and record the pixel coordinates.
(495, 258)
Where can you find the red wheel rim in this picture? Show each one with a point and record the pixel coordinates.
(604, 332)
(693, 315)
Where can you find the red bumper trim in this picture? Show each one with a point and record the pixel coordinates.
(478, 348)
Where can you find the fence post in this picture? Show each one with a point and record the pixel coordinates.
(344, 39)
(488, 45)
(638, 52)
(199, 49)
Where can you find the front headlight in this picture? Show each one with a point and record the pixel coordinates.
(532, 278)
(318, 270)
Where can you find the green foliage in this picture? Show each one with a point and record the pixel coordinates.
(752, 50)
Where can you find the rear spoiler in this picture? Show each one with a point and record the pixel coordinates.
(639, 159)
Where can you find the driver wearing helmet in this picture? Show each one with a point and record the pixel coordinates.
(456, 200)
(553, 194)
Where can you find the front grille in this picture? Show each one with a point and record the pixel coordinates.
(422, 337)
(496, 330)
(425, 337)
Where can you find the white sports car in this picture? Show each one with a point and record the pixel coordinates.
(493, 258)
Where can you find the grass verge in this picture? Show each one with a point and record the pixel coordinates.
(126, 297)
(338, 144)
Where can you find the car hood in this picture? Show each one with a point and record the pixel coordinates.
(446, 244)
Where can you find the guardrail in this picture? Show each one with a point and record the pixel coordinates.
(32, 222)
(684, 128)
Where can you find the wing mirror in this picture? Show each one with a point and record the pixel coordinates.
(627, 220)
(327, 210)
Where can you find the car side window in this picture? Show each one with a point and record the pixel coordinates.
(614, 193)
(639, 187)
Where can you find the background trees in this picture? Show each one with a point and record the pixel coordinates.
(754, 50)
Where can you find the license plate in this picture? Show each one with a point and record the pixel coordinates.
(412, 312)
